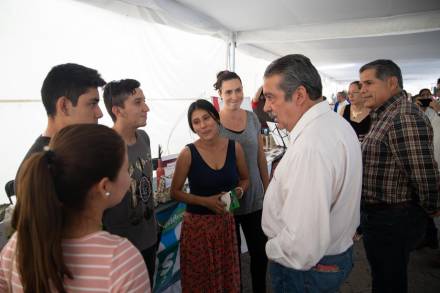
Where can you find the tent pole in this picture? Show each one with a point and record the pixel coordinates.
(230, 58)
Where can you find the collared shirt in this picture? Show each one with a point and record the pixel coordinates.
(398, 157)
(311, 207)
(339, 106)
(342, 106)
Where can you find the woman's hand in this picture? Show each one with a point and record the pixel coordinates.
(435, 105)
(239, 192)
(214, 203)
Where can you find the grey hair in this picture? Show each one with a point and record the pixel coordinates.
(296, 70)
(384, 69)
(343, 94)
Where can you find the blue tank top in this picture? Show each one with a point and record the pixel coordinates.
(205, 181)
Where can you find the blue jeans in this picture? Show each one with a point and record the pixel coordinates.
(314, 280)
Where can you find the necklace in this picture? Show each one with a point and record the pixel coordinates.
(355, 114)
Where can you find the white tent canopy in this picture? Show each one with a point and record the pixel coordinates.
(339, 36)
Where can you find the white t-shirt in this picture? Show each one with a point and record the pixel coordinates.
(312, 206)
(341, 106)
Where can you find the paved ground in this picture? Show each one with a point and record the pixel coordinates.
(424, 272)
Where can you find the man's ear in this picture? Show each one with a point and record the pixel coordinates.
(117, 111)
(63, 105)
(393, 83)
(301, 95)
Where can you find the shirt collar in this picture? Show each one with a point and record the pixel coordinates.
(314, 112)
(376, 113)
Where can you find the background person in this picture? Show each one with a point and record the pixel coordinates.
(258, 108)
(61, 196)
(425, 104)
(213, 165)
(356, 113)
(359, 118)
(341, 101)
(426, 94)
(244, 127)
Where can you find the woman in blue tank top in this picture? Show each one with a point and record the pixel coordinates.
(213, 165)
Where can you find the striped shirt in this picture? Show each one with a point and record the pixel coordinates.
(398, 157)
(99, 262)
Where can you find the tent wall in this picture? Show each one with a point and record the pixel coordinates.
(175, 61)
(174, 67)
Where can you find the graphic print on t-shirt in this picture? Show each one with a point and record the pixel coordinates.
(141, 190)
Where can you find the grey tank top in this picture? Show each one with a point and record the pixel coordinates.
(253, 198)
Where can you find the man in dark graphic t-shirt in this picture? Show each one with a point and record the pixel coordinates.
(134, 216)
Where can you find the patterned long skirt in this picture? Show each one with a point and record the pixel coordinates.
(208, 254)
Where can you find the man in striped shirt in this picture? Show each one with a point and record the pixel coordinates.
(401, 179)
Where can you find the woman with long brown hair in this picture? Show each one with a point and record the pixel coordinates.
(62, 193)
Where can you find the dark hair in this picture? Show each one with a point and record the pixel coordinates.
(51, 183)
(424, 90)
(69, 80)
(405, 93)
(414, 98)
(356, 83)
(384, 69)
(202, 105)
(117, 92)
(296, 70)
(259, 95)
(225, 75)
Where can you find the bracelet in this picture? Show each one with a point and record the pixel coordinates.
(241, 189)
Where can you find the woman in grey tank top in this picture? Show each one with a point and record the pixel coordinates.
(243, 126)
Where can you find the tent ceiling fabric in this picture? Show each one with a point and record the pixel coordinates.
(340, 58)
(338, 36)
(245, 15)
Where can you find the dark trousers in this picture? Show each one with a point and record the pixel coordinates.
(149, 256)
(431, 234)
(389, 235)
(256, 243)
